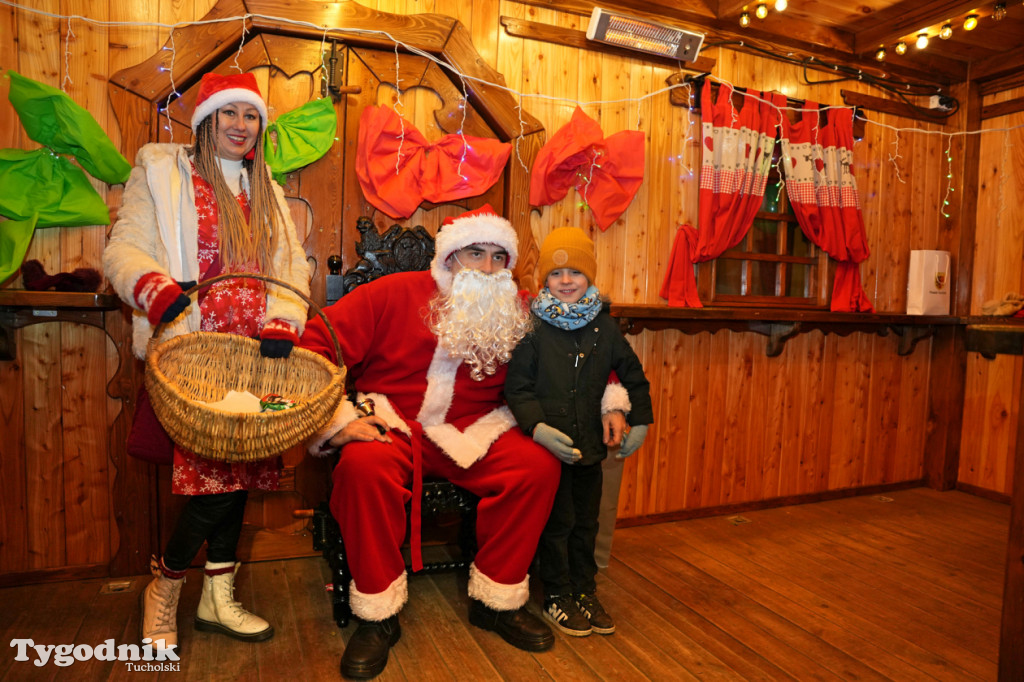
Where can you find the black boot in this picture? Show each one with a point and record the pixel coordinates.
(367, 652)
(520, 628)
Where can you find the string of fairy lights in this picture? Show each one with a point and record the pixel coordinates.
(920, 38)
(465, 78)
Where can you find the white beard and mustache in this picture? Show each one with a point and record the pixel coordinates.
(480, 320)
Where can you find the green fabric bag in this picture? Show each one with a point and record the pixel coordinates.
(15, 236)
(44, 184)
(304, 134)
(53, 119)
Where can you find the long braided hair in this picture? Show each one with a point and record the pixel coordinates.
(240, 243)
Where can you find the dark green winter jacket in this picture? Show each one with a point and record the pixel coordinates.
(559, 377)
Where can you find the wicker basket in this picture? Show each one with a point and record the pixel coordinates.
(204, 366)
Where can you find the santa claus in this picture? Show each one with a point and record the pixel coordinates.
(430, 349)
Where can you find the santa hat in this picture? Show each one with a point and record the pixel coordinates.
(216, 91)
(566, 247)
(482, 226)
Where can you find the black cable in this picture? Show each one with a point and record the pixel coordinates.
(904, 90)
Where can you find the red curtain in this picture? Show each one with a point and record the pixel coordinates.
(823, 193)
(734, 171)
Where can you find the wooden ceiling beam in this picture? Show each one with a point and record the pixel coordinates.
(732, 8)
(907, 18)
(999, 66)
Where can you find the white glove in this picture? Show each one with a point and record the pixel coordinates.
(559, 444)
(632, 441)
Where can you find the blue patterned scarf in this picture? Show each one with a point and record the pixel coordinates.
(567, 315)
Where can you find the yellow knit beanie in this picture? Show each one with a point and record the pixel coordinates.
(566, 247)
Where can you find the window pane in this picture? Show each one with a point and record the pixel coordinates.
(798, 281)
(763, 279)
(771, 201)
(799, 245)
(764, 236)
(729, 276)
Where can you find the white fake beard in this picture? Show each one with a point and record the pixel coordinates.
(480, 320)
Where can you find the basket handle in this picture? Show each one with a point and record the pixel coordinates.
(246, 275)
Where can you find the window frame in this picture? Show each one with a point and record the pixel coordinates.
(820, 267)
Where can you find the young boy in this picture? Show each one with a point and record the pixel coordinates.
(556, 388)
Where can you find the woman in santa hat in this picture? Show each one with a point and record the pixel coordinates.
(190, 213)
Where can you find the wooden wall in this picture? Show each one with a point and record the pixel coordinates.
(733, 425)
(991, 409)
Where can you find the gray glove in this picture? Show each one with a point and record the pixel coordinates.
(632, 441)
(559, 444)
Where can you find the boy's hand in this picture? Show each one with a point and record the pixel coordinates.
(633, 440)
(614, 424)
(557, 443)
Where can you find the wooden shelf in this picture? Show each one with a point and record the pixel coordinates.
(781, 324)
(993, 336)
(21, 308)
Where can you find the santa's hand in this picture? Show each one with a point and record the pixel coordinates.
(557, 443)
(614, 424)
(365, 429)
(633, 440)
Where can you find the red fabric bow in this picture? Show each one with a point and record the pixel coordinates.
(398, 168)
(606, 172)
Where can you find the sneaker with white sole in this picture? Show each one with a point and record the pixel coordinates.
(563, 612)
(590, 607)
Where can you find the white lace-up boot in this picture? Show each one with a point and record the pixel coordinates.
(219, 612)
(160, 606)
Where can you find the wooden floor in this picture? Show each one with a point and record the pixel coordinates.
(905, 586)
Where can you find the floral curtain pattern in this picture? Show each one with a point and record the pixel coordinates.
(822, 190)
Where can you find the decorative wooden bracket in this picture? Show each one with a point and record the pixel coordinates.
(778, 333)
(910, 336)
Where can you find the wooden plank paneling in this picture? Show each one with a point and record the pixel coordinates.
(82, 369)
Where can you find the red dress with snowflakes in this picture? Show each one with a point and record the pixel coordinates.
(234, 306)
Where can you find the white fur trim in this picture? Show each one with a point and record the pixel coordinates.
(437, 399)
(615, 397)
(497, 596)
(469, 446)
(343, 414)
(223, 98)
(463, 232)
(377, 607)
(462, 447)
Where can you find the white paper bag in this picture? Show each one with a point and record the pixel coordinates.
(928, 283)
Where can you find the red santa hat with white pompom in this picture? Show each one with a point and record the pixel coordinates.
(481, 226)
(216, 91)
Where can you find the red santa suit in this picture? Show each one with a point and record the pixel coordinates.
(469, 436)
